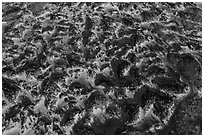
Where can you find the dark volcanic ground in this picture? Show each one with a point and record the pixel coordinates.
(102, 68)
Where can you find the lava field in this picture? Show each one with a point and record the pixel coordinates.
(101, 68)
